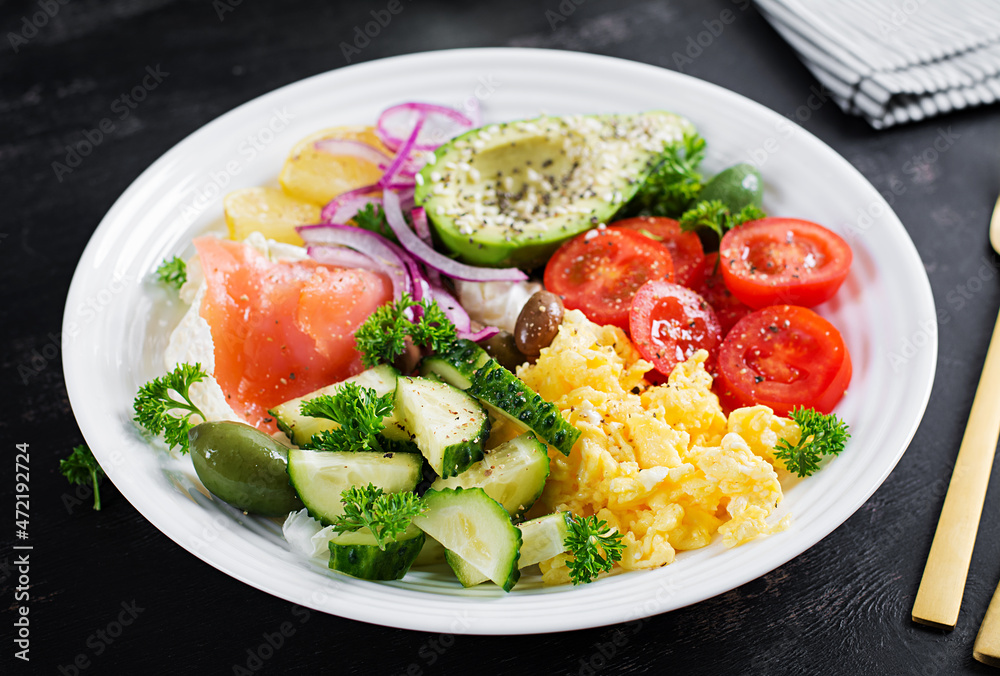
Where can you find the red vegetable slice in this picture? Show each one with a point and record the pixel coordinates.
(669, 322)
(685, 247)
(783, 260)
(728, 308)
(599, 271)
(784, 357)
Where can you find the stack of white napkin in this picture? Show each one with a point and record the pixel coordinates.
(896, 61)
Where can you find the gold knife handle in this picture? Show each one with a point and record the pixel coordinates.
(940, 595)
(987, 647)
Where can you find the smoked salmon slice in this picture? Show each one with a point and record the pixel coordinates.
(281, 329)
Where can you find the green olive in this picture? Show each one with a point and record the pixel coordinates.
(244, 467)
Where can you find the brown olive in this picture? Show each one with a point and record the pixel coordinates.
(538, 323)
(503, 348)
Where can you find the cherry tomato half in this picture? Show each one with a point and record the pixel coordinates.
(685, 247)
(669, 322)
(783, 260)
(599, 271)
(784, 357)
(728, 308)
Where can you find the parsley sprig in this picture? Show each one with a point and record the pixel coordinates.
(372, 218)
(358, 410)
(385, 515)
(675, 183)
(158, 411)
(822, 435)
(81, 467)
(715, 215)
(172, 272)
(382, 337)
(595, 547)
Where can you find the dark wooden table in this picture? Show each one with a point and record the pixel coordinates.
(109, 594)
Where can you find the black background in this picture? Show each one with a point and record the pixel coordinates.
(843, 607)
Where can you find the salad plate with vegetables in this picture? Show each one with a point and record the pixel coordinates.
(555, 359)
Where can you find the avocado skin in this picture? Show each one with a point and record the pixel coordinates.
(528, 252)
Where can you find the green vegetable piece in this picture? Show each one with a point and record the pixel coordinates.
(81, 467)
(555, 158)
(244, 467)
(455, 365)
(822, 435)
(172, 272)
(358, 411)
(595, 548)
(737, 187)
(384, 515)
(357, 554)
(507, 395)
(154, 403)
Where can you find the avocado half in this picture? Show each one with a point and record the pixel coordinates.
(509, 194)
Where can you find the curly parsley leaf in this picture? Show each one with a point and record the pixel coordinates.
(746, 214)
(433, 328)
(595, 547)
(675, 183)
(382, 337)
(158, 411)
(372, 218)
(358, 411)
(81, 467)
(821, 435)
(172, 272)
(385, 515)
(715, 215)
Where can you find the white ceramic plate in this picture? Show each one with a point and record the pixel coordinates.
(116, 325)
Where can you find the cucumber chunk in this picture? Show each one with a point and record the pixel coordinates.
(542, 538)
(476, 528)
(457, 365)
(507, 395)
(319, 477)
(448, 426)
(301, 428)
(357, 554)
(513, 473)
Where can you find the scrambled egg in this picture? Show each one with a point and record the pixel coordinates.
(661, 464)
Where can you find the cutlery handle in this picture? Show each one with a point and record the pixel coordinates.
(940, 595)
(987, 647)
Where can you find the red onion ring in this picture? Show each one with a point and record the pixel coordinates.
(427, 255)
(396, 124)
(382, 253)
(349, 148)
(343, 208)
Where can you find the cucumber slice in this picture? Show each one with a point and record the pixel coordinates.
(507, 395)
(513, 473)
(475, 527)
(457, 365)
(448, 426)
(431, 554)
(357, 554)
(319, 477)
(301, 428)
(542, 538)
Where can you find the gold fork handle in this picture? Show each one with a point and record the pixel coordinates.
(940, 595)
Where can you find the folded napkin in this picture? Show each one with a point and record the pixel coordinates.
(896, 62)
